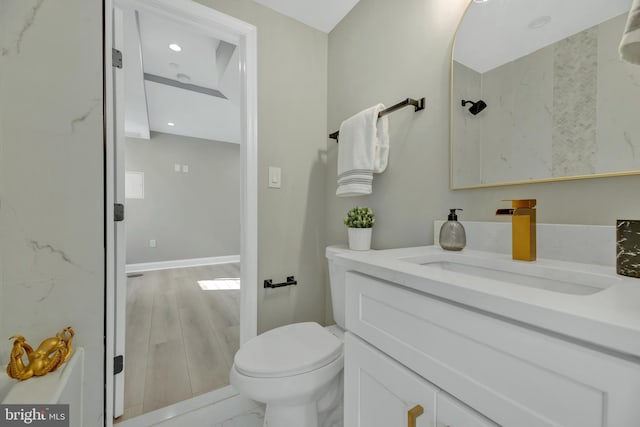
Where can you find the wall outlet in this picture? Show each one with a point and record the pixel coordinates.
(185, 168)
(152, 243)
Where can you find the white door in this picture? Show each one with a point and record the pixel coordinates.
(119, 236)
(379, 392)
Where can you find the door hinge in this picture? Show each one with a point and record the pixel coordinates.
(118, 212)
(116, 58)
(118, 364)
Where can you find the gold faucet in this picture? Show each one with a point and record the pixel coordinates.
(523, 228)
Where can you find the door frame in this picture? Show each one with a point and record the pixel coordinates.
(243, 35)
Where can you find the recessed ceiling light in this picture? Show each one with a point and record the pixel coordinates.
(171, 124)
(175, 47)
(480, 1)
(539, 22)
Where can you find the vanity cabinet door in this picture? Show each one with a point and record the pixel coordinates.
(453, 413)
(379, 392)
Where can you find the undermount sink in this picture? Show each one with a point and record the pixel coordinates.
(561, 277)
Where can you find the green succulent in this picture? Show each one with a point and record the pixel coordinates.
(360, 218)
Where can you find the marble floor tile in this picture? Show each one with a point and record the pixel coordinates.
(252, 418)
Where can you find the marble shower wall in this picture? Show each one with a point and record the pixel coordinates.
(3, 27)
(618, 133)
(567, 109)
(517, 122)
(574, 113)
(467, 148)
(51, 179)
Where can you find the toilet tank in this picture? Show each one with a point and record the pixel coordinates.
(336, 280)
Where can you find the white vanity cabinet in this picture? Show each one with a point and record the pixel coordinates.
(452, 413)
(379, 392)
(406, 347)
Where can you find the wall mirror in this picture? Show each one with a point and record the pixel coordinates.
(539, 93)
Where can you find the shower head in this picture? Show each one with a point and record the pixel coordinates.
(476, 107)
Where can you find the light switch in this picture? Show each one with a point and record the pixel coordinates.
(185, 168)
(275, 175)
(152, 243)
(176, 167)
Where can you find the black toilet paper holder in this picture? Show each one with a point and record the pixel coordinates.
(291, 280)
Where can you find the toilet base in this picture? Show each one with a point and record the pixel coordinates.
(328, 411)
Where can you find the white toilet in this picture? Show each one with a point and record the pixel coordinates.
(296, 370)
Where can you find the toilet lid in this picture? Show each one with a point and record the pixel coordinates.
(288, 350)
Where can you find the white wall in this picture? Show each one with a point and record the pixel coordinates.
(51, 179)
(383, 52)
(292, 99)
(194, 214)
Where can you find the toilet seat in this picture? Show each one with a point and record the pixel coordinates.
(287, 351)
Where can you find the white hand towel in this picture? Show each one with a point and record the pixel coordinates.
(362, 150)
(382, 144)
(630, 44)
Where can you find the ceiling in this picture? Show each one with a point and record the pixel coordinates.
(195, 92)
(322, 15)
(498, 31)
(191, 92)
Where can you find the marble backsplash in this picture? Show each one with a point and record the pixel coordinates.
(590, 244)
(628, 247)
(51, 179)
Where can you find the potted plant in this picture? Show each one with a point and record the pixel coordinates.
(360, 221)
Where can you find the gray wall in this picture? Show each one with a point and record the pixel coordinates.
(292, 100)
(384, 53)
(365, 53)
(51, 179)
(190, 215)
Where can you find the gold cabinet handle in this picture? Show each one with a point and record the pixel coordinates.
(414, 413)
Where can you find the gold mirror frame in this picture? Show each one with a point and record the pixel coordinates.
(454, 103)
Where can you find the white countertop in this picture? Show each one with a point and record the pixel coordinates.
(609, 318)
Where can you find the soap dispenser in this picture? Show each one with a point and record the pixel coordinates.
(452, 235)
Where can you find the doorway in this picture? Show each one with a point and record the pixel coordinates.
(205, 282)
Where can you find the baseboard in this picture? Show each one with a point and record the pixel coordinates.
(180, 263)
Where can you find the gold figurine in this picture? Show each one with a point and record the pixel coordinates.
(51, 353)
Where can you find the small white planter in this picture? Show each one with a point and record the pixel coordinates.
(359, 239)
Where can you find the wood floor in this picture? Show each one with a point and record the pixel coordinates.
(180, 339)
